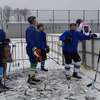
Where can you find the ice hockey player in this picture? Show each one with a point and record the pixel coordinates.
(33, 49)
(44, 47)
(83, 27)
(7, 55)
(70, 40)
(2, 58)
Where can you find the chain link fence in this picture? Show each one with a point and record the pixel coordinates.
(55, 21)
(14, 22)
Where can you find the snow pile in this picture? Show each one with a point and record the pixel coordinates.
(53, 86)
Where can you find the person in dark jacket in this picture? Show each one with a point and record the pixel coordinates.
(32, 48)
(70, 40)
(44, 47)
(3, 57)
(2, 38)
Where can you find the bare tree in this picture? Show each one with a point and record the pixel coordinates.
(6, 13)
(24, 12)
(6, 16)
(1, 18)
(17, 13)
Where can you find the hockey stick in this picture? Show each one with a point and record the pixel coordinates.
(53, 60)
(92, 83)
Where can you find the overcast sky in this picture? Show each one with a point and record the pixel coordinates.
(53, 4)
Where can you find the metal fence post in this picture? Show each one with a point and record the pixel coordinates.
(21, 26)
(63, 60)
(2, 18)
(98, 19)
(68, 18)
(53, 21)
(84, 45)
(92, 50)
(37, 13)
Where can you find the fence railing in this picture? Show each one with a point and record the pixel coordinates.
(55, 21)
(89, 54)
(20, 58)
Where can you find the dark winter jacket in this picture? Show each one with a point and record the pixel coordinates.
(2, 38)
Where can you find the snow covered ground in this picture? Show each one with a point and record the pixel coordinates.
(53, 85)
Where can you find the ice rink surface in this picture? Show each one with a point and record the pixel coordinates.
(53, 85)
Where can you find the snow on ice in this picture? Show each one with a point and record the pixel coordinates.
(53, 85)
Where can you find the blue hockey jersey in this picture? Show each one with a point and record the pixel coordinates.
(42, 39)
(76, 38)
(32, 37)
(2, 38)
(32, 40)
(2, 35)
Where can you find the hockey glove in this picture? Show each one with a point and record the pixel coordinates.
(47, 49)
(37, 53)
(93, 36)
(68, 40)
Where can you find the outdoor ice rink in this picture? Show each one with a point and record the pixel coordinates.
(53, 85)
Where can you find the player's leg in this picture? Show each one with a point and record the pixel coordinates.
(44, 57)
(32, 70)
(1, 75)
(2, 68)
(68, 64)
(77, 64)
(6, 57)
(32, 73)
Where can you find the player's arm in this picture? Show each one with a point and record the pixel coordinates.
(2, 35)
(86, 37)
(66, 37)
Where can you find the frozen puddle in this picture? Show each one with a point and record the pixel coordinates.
(53, 86)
